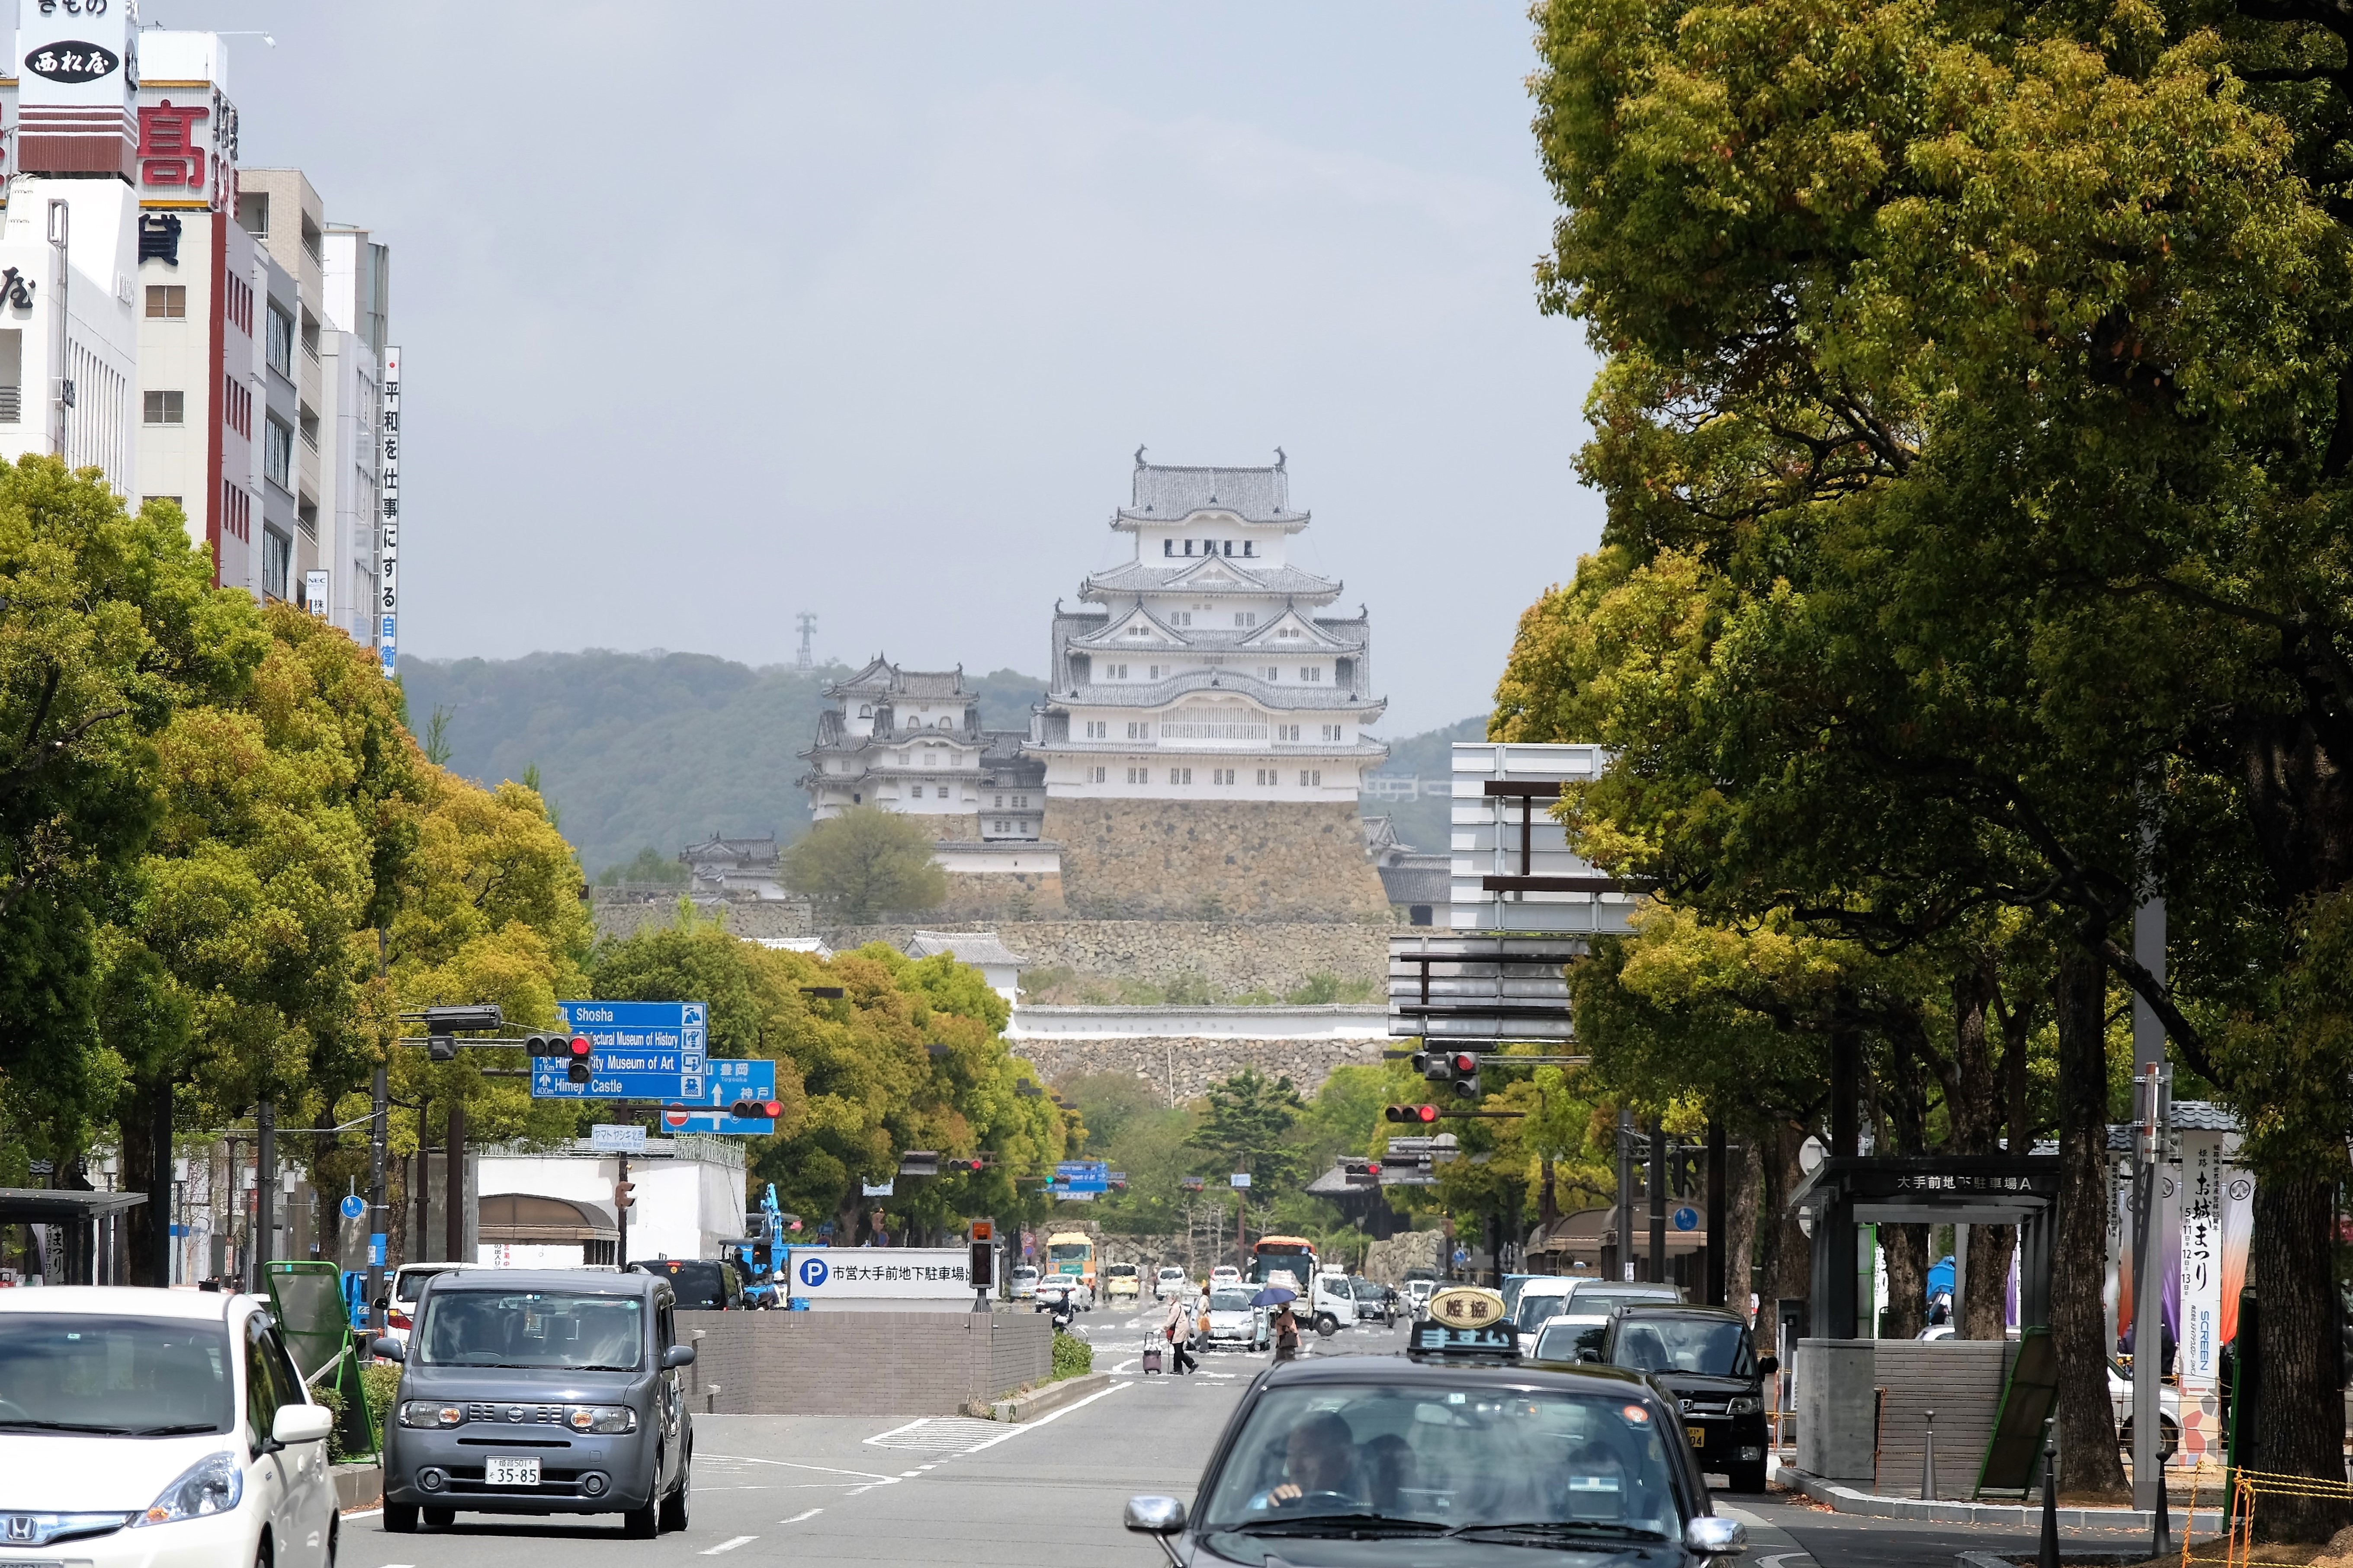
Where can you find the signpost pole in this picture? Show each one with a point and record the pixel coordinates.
(379, 1136)
(621, 1243)
(453, 1162)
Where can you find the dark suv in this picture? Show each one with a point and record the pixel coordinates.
(1703, 1358)
(701, 1287)
(540, 1391)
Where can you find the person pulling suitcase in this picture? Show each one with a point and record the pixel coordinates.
(1177, 1328)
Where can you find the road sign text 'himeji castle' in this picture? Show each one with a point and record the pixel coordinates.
(1206, 728)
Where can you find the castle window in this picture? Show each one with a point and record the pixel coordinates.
(1311, 672)
(1221, 775)
(1286, 732)
(1180, 618)
(1116, 671)
(1139, 731)
(1266, 776)
(1245, 618)
(1311, 778)
(1249, 547)
(1098, 729)
(1188, 547)
(1021, 803)
(1101, 773)
(1167, 547)
(1180, 776)
(1155, 672)
(919, 789)
(1274, 674)
(1001, 803)
(1331, 732)
(1229, 547)
(866, 711)
(1139, 776)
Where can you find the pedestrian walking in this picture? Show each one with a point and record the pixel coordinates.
(1177, 1328)
(1286, 1333)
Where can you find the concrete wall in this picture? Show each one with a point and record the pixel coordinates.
(1836, 1432)
(862, 1364)
(1241, 859)
(1231, 956)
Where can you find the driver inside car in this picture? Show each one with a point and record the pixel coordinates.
(1319, 1461)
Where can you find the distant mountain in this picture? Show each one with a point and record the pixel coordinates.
(1425, 821)
(659, 749)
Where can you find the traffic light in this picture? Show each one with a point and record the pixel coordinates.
(982, 1268)
(1414, 1113)
(623, 1198)
(1460, 1068)
(441, 1048)
(458, 1020)
(573, 1049)
(756, 1109)
(964, 1165)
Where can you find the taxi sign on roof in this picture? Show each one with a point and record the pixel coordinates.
(1465, 1321)
(1466, 1307)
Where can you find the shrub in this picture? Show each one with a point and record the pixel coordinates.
(1073, 1357)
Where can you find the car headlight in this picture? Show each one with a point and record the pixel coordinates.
(214, 1484)
(431, 1413)
(600, 1418)
(1745, 1405)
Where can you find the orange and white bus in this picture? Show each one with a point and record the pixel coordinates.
(1071, 1252)
(1294, 1254)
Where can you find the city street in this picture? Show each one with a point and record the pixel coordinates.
(886, 1490)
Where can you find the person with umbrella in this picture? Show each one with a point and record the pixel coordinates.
(1286, 1323)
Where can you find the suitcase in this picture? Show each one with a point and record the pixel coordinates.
(1151, 1357)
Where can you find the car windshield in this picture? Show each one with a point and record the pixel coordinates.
(1230, 1301)
(86, 1373)
(1607, 1301)
(409, 1283)
(700, 1286)
(1715, 1347)
(1535, 1306)
(1535, 1462)
(1567, 1338)
(1121, 1270)
(533, 1328)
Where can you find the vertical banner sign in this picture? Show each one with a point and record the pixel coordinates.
(2202, 1262)
(314, 593)
(2237, 1224)
(387, 609)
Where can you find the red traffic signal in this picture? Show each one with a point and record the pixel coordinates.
(756, 1109)
(1417, 1113)
(580, 1046)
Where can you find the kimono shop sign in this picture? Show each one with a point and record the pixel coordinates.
(820, 1275)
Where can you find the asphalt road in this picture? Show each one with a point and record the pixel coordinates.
(810, 1489)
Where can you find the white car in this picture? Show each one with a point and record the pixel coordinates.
(401, 1291)
(1234, 1322)
(1023, 1282)
(146, 1429)
(1224, 1274)
(1571, 1336)
(1418, 1293)
(1054, 1287)
(1171, 1281)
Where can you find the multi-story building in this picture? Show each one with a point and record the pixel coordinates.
(910, 740)
(1205, 672)
(356, 307)
(278, 208)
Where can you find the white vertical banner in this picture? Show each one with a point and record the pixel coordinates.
(387, 609)
(2202, 1181)
(314, 593)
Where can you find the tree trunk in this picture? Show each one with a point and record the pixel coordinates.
(1906, 1313)
(1984, 1315)
(1745, 1174)
(2091, 1467)
(1794, 1275)
(2299, 1361)
(145, 1129)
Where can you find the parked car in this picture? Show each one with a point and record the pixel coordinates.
(1023, 1282)
(1234, 1323)
(2169, 1410)
(141, 1427)
(702, 1286)
(1123, 1282)
(577, 1377)
(1171, 1281)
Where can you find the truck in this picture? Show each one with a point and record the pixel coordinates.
(760, 1257)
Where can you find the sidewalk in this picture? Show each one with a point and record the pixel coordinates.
(1951, 1510)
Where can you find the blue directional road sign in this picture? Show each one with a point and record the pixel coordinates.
(1687, 1218)
(1082, 1176)
(353, 1207)
(731, 1079)
(644, 1050)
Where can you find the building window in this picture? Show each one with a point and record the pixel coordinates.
(1311, 778)
(1180, 618)
(1331, 732)
(1180, 776)
(1098, 729)
(1101, 776)
(931, 758)
(1265, 776)
(1116, 671)
(276, 452)
(1245, 618)
(253, 213)
(1139, 731)
(1139, 776)
(167, 301)
(1311, 672)
(277, 561)
(172, 500)
(1249, 547)
(918, 792)
(279, 346)
(1221, 775)
(1167, 547)
(165, 407)
(1286, 732)
(1273, 673)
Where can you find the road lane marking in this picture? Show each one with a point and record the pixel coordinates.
(794, 1465)
(1050, 1416)
(798, 1517)
(728, 1545)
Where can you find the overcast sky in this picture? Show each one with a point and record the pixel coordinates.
(713, 313)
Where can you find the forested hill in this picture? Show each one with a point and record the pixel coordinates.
(657, 749)
(1425, 822)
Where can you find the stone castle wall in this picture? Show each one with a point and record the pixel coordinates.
(1183, 1069)
(1232, 957)
(623, 918)
(1246, 860)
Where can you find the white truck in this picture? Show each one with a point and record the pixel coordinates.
(1331, 1304)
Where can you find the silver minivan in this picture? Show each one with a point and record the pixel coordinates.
(538, 1392)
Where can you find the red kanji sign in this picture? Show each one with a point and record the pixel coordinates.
(168, 153)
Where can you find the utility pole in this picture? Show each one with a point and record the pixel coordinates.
(1658, 1202)
(1717, 1258)
(1626, 1193)
(265, 1182)
(622, 1199)
(379, 1137)
(61, 386)
(453, 1159)
(2153, 1088)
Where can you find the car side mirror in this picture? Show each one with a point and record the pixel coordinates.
(1767, 1365)
(301, 1424)
(388, 1349)
(677, 1356)
(1155, 1515)
(1711, 1537)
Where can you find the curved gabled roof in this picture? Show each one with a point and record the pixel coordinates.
(1252, 579)
(1163, 493)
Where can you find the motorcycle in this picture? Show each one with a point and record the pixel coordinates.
(1062, 1316)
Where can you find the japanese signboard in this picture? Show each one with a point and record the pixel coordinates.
(2203, 1178)
(821, 1274)
(387, 608)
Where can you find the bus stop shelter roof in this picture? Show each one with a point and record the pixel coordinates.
(59, 1205)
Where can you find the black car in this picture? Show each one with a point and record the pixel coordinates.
(702, 1286)
(1374, 1461)
(1705, 1359)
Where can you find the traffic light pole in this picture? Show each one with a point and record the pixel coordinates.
(621, 1210)
(379, 1225)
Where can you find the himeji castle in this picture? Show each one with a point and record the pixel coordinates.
(1201, 669)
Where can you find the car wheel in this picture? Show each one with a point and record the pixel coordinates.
(1327, 1325)
(442, 1518)
(334, 1538)
(400, 1519)
(640, 1523)
(1747, 1478)
(673, 1507)
(261, 1553)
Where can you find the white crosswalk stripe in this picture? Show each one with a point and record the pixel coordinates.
(939, 1435)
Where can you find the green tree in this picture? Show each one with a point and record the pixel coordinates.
(867, 862)
(1246, 1120)
(651, 866)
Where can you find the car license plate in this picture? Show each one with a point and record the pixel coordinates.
(510, 1470)
(1698, 1436)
